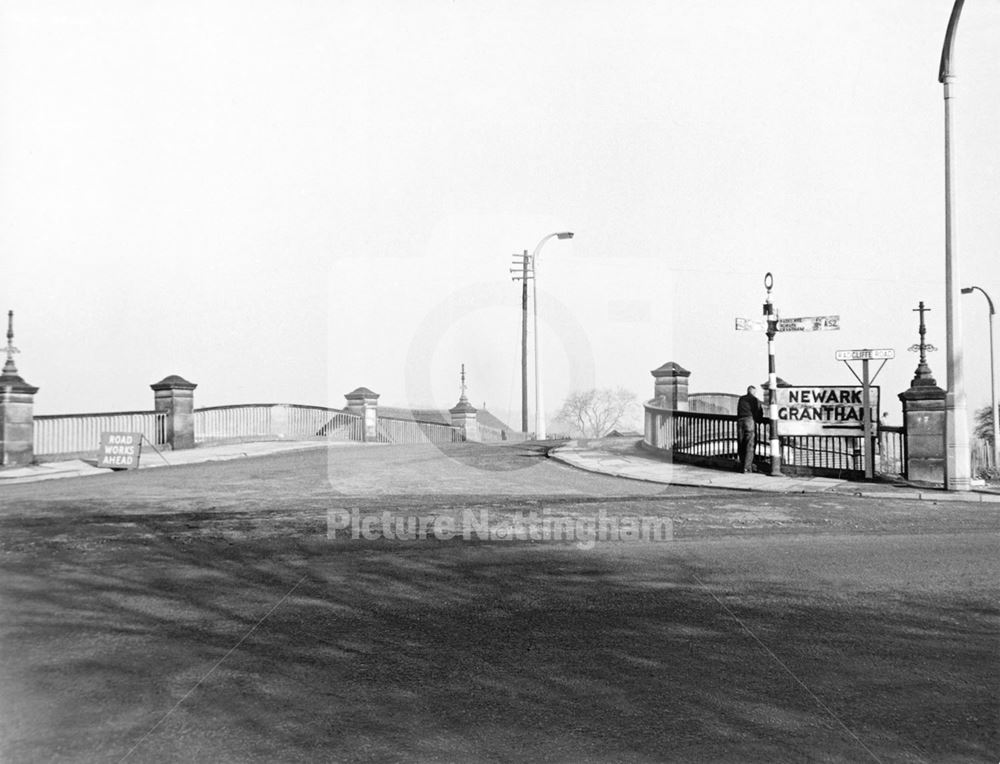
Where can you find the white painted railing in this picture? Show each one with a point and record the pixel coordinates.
(231, 423)
(408, 431)
(80, 434)
(273, 421)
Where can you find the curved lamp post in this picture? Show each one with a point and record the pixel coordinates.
(539, 407)
(957, 466)
(993, 378)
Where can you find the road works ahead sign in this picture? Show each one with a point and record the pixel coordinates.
(823, 410)
(120, 450)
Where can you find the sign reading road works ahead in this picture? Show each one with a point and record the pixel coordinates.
(823, 410)
(120, 450)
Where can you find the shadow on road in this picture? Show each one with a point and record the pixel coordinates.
(174, 639)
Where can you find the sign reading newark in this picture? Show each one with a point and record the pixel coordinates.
(120, 450)
(823, 410)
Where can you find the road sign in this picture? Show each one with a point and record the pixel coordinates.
(801, 324)
(120, 450)
(750, 325)
(823, 410)
(866, 354)
(809, 324)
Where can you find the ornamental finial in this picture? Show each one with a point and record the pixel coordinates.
(9, 367)
(923, 370)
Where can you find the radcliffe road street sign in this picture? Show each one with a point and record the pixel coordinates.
(866, 354)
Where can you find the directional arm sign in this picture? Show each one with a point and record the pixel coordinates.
(802, 324)
(750, 325)
(809, 324)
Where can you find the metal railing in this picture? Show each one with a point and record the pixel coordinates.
(712, 439)
(80, 434)
(982, 458)
(834, 453)
(891, 454)
(411, 432)
(220, 424)
(343, 427)
(273, 421)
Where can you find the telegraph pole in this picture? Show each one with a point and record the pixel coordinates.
(521, 269)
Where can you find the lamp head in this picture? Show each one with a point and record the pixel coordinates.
(565, 235)
(967, 290)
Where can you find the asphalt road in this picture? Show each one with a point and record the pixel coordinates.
(212, 613)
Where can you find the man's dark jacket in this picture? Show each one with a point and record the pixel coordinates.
(748, 408)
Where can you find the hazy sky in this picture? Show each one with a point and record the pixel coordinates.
(283, 200)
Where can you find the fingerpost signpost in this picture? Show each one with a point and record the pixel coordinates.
(771, 325)
(865, 355)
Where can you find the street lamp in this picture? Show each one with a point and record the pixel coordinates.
(957, 469)
(993, 379)
(539, 407)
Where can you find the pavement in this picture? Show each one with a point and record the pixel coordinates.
(623, 457)
(151, 458)
(617, 457)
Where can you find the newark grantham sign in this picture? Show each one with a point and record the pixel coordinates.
(823, 410)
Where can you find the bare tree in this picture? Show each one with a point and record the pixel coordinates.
(984, 424)
(594, 413)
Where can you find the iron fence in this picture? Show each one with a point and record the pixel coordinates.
(411, 432)
(80, 434)
(983, 464)
(713, 439)
(891, 454)
(343, 427)
(273, 421)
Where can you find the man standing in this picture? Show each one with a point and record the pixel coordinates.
(748, 414)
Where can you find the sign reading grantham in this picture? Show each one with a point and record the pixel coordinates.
(119, 450)
(867, 354)
(823, 410)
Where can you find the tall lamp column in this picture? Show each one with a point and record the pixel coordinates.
(993, 378)
(539, 406)
(957, 465)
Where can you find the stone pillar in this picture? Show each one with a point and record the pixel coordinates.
(364, 403)
(17, 409)
(671, 386)
(17, 419)
(923, 423)
(464, 415)
(174, 396)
